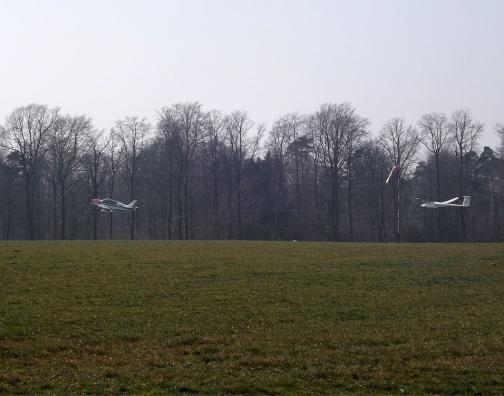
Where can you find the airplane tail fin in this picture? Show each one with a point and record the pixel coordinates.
(132, 204)
(467, 201)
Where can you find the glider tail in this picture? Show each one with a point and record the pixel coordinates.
(467, 201)
(132, 204)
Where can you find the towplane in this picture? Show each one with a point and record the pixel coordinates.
(111, 205)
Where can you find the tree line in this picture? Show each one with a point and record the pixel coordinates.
(201, 174)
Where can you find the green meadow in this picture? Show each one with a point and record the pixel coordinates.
(251, 318)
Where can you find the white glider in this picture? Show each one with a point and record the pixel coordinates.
(446, 204)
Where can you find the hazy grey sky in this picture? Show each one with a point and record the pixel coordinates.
(388, 58)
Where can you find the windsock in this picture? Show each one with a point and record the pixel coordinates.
(395, 168)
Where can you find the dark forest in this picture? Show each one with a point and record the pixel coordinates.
(201, 174)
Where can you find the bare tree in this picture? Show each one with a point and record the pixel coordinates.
(26, 132)
(499, 128)
(297, 127)
(369, 170)
(182, 127)
(213, 141)
(377, 174)
(400, 143)
(281, 136)
(9, 173)
(357, 131)
(499, 180)
(133, 136)
(465, 133)
(435, 136)
(65, 143)
(94, 161)
(238, 125)
(331, 127)
(320, 178)
(313, 123)
(112, 166)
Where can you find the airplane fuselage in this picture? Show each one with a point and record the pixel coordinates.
(111, 205)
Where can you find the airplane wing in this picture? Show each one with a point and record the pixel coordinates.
(450, 200)
(421, 200)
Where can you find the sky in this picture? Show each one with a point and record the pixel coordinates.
(388, 58)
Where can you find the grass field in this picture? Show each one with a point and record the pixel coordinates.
(251, 318)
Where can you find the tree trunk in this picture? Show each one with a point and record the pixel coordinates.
(63, 210)
(335, 205)
(132, 198)
(230, 209)
(316, 199)
(277, 203)
(381, 229)
(180, 210)
(111, 192)
(132, 228)
(238, 206)
(397, 207)
(298, 202)
(170, 207)
(111, 225)
(463, 225)
(30, 231)
(440, 213)
(350, 220)
(95, 224)
(186, 208)
(54, 208)
(8, 225)
(215, 200)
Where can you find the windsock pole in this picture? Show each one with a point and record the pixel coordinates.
(396, 169)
